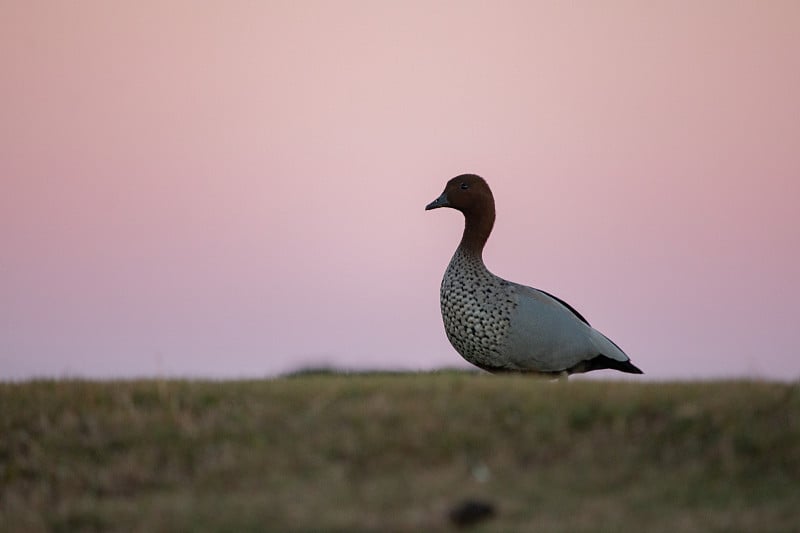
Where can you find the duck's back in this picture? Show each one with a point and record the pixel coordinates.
(546, 334)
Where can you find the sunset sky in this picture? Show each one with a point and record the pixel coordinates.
(236, 189)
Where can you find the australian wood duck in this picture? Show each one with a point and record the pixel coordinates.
(501, 326)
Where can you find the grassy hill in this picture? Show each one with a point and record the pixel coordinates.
(396, 452)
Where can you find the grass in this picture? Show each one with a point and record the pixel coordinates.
(395, 452)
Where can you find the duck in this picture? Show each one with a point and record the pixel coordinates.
(505, 327)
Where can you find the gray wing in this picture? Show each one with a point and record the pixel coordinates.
(547, 335)
(565, 304)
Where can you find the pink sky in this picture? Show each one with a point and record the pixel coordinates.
(237, 188)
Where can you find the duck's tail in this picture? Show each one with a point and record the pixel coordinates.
(609, 356)
(601, 361)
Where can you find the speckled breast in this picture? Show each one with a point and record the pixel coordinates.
(476, 309)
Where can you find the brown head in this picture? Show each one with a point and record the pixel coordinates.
(470, 194)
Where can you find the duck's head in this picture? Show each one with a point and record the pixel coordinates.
(469, 193)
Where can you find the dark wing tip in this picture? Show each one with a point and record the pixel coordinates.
(601, 362)
(630, 368)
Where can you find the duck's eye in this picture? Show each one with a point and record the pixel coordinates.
(465, 186)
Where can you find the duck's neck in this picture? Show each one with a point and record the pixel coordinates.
(477, 227)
